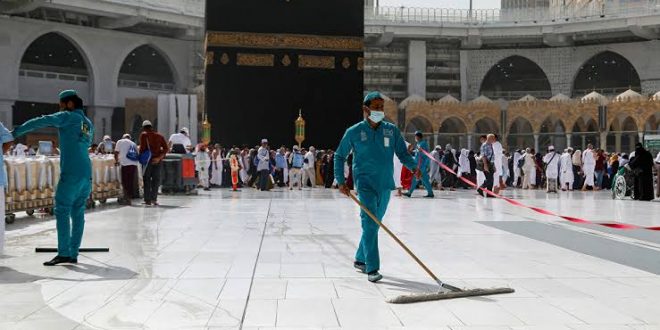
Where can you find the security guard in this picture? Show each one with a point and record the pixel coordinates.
(75, 132)
(423, 162)
(373, 143)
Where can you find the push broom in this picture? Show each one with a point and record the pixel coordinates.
(452, 293)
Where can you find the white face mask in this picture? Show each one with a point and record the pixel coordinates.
(376, 116)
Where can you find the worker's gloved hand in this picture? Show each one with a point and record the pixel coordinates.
(344, 189)
(418, 174)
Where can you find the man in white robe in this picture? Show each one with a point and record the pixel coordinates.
(498, 154)
(589, 166)
(529, 170)
(551, 161)
(566, 170)
(517, 156)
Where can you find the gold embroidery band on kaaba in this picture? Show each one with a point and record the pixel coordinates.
(255, 59)
(316, 62)
(209, 59)
(284, 41)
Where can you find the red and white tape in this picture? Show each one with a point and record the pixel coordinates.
(616, 225)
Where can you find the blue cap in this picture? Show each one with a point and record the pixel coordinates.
(67, 93)
(372, 96)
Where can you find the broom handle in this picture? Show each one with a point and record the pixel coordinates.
(387, 230)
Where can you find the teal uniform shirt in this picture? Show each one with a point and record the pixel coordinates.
(373, 168)
(373, 155)
(5, 136)
(75, 135)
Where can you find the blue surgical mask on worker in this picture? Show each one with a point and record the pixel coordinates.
(376, 116)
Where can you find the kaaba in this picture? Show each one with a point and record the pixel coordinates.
(266, 60)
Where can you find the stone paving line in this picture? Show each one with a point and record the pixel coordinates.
(283, 260)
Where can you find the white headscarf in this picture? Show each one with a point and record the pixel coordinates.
(577, 157)
(464, 161)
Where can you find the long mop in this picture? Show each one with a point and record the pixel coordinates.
(453, 292)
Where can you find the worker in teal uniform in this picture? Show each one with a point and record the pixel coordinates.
(373, 143)
(75, 132)
(423, 163)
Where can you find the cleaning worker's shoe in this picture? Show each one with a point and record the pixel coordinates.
(407, 195)
(375, 277)
(58, 260)
(429, 196)
(361, 266)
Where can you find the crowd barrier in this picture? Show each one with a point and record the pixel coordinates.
(32, 183)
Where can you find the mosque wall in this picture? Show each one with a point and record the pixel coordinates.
(561, 64)
(104, 52)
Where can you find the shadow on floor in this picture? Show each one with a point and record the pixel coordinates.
(9, 275)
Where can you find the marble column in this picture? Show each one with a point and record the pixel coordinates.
(617, 142)
(469, 141)
(417, 68)
(603, 140)
(7, 113)
(584, 142)
(536, 142)
(569, 143)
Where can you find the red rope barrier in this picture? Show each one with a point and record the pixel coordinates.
(616, 225)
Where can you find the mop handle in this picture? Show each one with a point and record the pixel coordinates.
(387, 230)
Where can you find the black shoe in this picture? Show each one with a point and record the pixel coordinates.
(407, 195)
(60, 260)
(429, 196)
(374, 277)
(361, 266)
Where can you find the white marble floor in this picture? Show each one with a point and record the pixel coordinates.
(283, 260)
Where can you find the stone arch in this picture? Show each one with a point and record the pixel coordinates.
(483, 125)
(520, 125)
(77, 44)
(520, 133)
(69, 56)
(607, 72)
(452, 130)
(513, 77)
(623, 134)
(652, 124)
(552, 131)
(486, 125)
(628, 124)
(49, 62)
(453, 124)
(585, 130)
(551, 124)
(418, 123)
(161, 59)
(585, 124)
